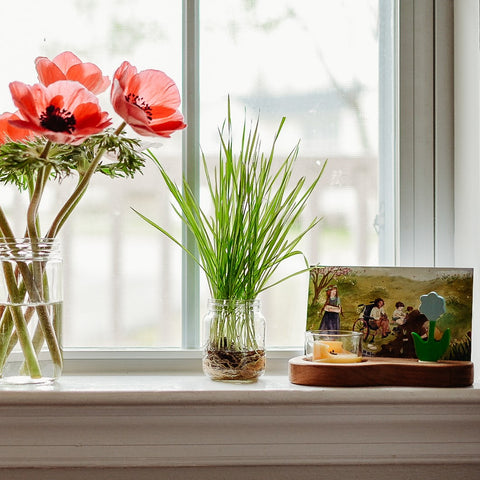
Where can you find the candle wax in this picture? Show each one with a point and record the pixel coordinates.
(332, 352)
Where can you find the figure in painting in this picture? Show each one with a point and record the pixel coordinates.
(399, 316)
(331, 310)
(380, 317)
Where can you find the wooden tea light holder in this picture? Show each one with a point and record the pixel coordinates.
(329, 366)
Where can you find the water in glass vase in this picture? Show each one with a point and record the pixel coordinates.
(31, 300)
(47, 366)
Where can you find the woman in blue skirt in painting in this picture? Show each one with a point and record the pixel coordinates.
(331, 310)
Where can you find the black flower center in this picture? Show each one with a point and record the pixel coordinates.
(140, 103)
(57, 120)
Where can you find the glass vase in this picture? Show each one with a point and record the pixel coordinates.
(31, 299)
(234, 347)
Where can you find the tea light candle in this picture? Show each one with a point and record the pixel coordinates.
(332, 352)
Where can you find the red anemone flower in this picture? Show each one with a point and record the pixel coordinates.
(63, 112)
(67, 66)
(11, 133)
(148, 101)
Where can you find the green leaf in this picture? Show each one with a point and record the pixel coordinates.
(20, 161)
(256, 208)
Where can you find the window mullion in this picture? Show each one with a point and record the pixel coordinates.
(416, 228)
(190, 160)
(426, 139)
(444, 134)
(386, 221)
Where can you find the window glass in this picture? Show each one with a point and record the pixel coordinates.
(122, 278)
(316, 63)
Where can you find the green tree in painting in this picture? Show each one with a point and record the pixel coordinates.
(320, 278)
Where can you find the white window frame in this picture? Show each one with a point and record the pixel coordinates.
(423, 169)
(191, 166)
(425, 188)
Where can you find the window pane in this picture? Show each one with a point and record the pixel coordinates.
(122, 277)
(315, 62)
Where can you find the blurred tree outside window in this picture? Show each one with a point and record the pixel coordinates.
(314, 61)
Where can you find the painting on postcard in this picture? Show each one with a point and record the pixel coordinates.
(383, 303)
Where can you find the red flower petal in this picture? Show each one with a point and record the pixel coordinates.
(90, 76)
(125, 72)
(47, 71)
(90, 118)
(146, 100)
(157, 87)
(9, 132)
(27, 99)
(66, 60)
(67, 66)
(64, 112)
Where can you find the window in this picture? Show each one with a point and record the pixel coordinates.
(317, 63)
(329, 67)
(122, 279)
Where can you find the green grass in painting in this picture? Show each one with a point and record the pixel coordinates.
(354, 290)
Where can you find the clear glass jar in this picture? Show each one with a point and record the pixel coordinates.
(333, 346)
(31, 300)
(234, 346)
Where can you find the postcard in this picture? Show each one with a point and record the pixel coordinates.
(383, 303)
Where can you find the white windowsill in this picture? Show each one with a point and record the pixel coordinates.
(184, 421)
(120, 390)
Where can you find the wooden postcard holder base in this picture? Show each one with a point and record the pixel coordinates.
(394, 372)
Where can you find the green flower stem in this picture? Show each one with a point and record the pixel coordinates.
(33, 231)
(63, 215)
(6, 322)
(80, 189)
(9, 337)
(32, 212)
(6, 328)
(62, 158)
(32, 216)
(14, 337)
(20, 324)
(38, 339)
(5, 228)
(43, 315)
(37, 274)
(21, 329)
(31, 188)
